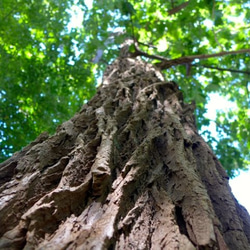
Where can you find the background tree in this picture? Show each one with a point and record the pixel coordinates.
(42, 72)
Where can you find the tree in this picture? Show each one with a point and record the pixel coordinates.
(41, 73)
(129, 171)
(45, 60)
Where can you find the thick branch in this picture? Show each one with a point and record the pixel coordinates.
(168, 63)
(165, 63)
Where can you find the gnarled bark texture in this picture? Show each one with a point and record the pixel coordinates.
(129, 171)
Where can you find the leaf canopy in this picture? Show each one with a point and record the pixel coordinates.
(48, 68)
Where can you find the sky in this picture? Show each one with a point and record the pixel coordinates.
(240, 188)
(241, 183)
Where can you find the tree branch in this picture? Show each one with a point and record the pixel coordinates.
(165, 63)
(168, 63)
(178, 8)
(10, 12)
(222, 69)
(147, 45)
(139, 52)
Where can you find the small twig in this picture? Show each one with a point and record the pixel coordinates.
(215, 35)
(222, 69)
(248, 97)
(216, 39)
(178, 8)
(10, 12)
(147, 45)
(188, 69)
(172, 3)
(139, 52)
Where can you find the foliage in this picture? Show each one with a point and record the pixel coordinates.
(47, 69)
(42, 79)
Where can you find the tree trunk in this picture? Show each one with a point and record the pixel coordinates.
(129, 171)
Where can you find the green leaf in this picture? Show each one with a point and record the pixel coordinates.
(218, 17)
(127, 8)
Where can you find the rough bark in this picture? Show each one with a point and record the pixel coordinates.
(129, 171)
